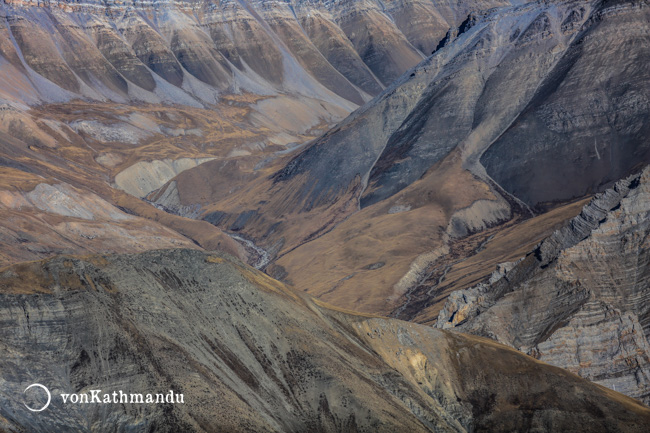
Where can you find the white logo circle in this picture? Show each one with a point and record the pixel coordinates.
(49, 397)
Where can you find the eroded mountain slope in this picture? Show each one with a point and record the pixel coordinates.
(58, 163)
(408, 176)
(99, 94)
(587, 125)
(191, 52)
(580, 299)
(251, 355)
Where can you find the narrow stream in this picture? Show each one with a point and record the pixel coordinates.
(260, 257)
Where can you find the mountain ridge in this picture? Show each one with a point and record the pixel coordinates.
(586, 284)
(160, 320)
(391, 165)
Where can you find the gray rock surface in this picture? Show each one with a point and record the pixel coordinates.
(580, 299)
(587, 125)
(248, 354)
(502, 92)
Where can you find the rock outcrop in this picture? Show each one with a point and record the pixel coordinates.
(584, 128)
(580, 299)
(146, 176)
(248, 354)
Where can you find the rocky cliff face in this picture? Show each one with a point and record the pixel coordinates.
(248, 354)
(580, 299)
(587, 124)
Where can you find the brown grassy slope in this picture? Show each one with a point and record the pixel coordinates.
(463, 269)
(338, 267)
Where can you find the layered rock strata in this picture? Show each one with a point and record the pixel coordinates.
(248, 354)
(580, 299)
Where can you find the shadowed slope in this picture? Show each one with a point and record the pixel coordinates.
(251, 355)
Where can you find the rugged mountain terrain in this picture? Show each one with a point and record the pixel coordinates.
(191, 52)
(56, 194)
(483, 128)
(105, 97)
(580, 299)
(520, 109)
(249, 354)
